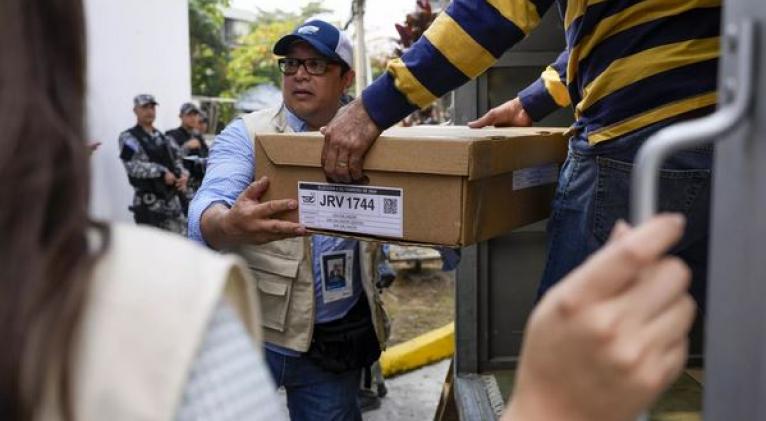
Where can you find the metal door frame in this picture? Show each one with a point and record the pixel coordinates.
(735, 374)
(735, 377)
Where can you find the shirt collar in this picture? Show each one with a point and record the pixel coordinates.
(295, 122)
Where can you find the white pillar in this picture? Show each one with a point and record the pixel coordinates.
(361, 65)
(137, 46)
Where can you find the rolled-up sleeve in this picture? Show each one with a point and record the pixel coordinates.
(548, 93)
(230, 169)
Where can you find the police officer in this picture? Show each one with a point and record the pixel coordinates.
(193, 147)
(203, 124)
(153, 164)
(186, 136)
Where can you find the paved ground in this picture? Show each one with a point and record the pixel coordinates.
(412, 396)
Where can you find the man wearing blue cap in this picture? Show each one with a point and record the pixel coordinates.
(318, 333)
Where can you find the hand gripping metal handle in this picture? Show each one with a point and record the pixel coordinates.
(734, 104)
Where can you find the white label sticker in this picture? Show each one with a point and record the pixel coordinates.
(535, 176)
(355, 209)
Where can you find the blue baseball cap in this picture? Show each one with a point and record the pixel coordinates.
(328, 40)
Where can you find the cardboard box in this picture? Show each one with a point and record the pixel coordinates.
(447, 185)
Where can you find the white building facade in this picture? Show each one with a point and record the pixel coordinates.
(137, 46)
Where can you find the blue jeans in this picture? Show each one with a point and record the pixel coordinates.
(313, 393)
(594, 191)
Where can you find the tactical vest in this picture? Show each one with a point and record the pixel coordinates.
(160, 154)
(284, 274)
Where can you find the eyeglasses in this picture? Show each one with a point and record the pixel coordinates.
(313, 66)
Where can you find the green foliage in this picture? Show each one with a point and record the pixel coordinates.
(209, 54)
(378, 63)
(252, 62)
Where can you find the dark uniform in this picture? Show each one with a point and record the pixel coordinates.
(197, 157)
(194, 159)
(146, 158)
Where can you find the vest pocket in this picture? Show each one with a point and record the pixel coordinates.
(274, 277)
(274, 266)
(275, 298)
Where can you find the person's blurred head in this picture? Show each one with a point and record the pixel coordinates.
(44, 187)
(316, 67)
(189, 115)
(202, 123)
(145, 109)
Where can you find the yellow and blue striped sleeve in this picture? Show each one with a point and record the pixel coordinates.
(464, 41)
(548, 93)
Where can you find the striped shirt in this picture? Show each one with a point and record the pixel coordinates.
(628, 63)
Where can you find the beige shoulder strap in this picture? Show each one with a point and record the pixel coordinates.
(270, 120)
(151, 298)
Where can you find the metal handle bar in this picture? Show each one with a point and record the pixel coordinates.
(736, 103)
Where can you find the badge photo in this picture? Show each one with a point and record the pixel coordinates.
(337, 272)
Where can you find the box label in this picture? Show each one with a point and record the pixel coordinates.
(354, 209)
(535, 176)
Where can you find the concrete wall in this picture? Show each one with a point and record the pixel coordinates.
(136, 46)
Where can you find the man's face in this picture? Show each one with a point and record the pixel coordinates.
(190, 120)
(202, 125)
(314, 97)
(145, 114)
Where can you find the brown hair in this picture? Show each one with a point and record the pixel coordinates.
(44, 178)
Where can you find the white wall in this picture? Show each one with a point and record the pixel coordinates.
(136, 46)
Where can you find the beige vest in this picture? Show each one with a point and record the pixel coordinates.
(284, 274)
(148, 308)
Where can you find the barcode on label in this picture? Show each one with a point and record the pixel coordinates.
(390, 206)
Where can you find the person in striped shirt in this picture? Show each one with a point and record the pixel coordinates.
(630, 68)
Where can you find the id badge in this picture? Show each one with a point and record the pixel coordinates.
(337, 272)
